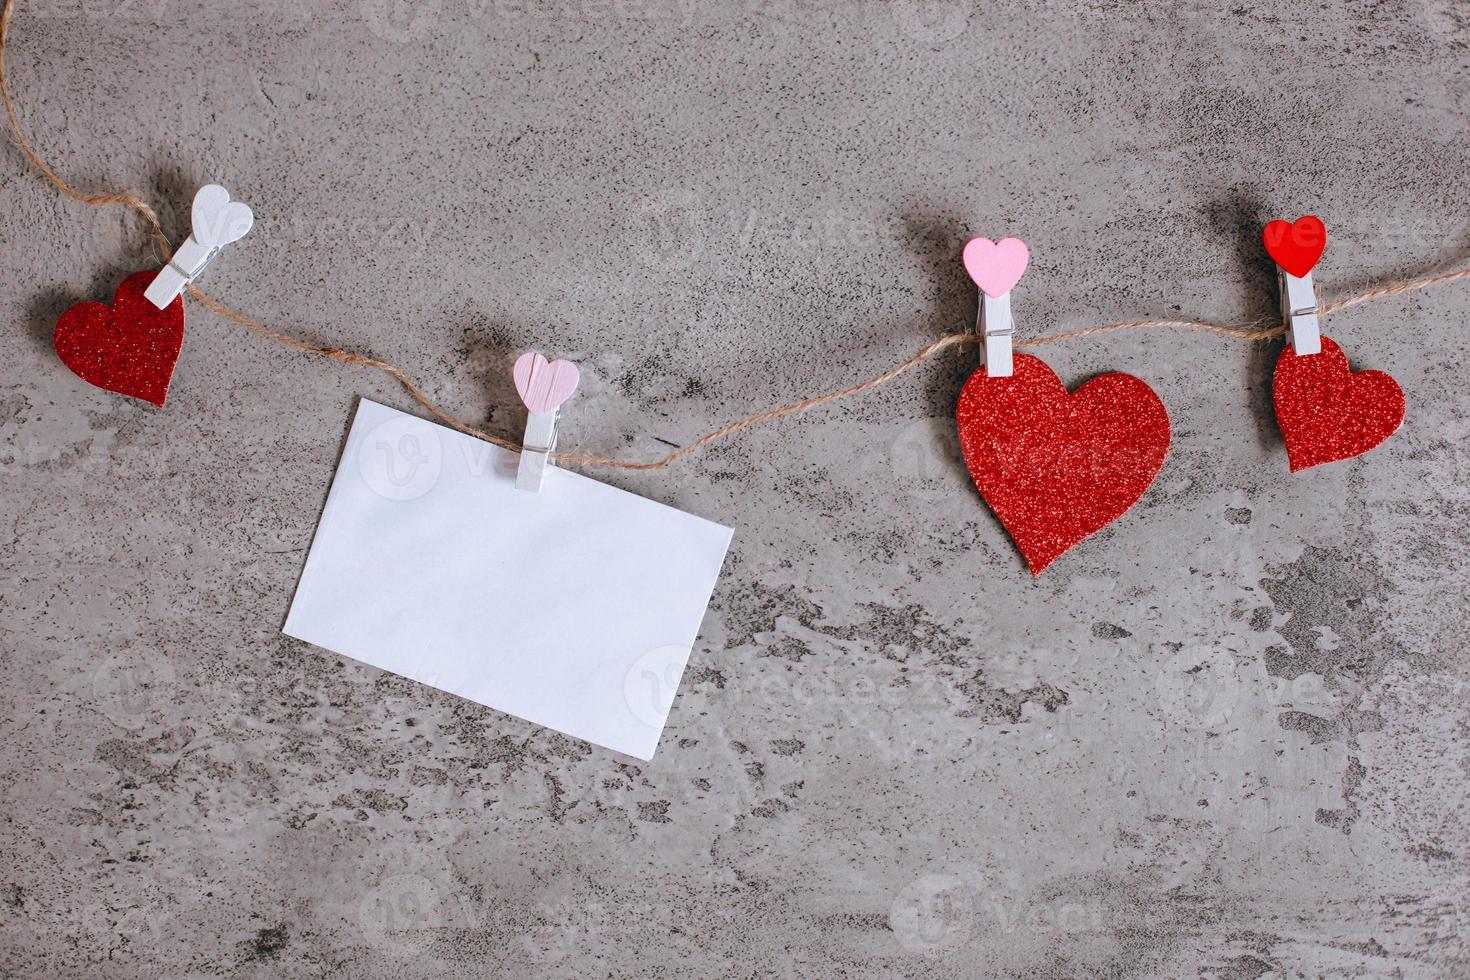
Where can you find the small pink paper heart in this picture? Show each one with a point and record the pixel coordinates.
(544, 386)
(996, 267)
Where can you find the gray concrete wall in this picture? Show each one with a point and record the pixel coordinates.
(1226, 738)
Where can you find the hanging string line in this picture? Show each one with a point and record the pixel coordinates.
(1257, 330)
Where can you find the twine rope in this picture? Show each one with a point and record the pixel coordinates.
(1254, 331)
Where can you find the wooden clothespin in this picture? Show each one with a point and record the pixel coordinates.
(216, 221)
(543, 386)
(996, 267)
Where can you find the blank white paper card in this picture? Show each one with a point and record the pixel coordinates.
(574, 608)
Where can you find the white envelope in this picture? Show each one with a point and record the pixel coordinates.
(574, 608)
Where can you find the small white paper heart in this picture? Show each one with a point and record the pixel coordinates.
(218, 220)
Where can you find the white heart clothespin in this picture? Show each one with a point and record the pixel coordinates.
(543, 386)
(217, 221)
(996, 267)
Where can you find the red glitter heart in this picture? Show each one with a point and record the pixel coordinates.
(1328, 412)
(1296, 247)
(129, 347)
(1055, 467)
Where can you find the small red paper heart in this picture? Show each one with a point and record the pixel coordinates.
(129, 347)
(1296, 247)
(1058, 467)
(1327, 412)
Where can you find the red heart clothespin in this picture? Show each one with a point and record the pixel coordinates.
(1326, 411)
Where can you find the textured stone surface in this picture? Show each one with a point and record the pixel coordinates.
(1225, 738)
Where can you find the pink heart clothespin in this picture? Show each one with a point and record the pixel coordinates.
(543, 386)
(996, 267)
